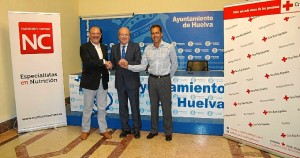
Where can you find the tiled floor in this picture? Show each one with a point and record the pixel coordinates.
(65, 142)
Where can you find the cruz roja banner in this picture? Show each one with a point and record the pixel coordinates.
(35, 40)
(262, 63)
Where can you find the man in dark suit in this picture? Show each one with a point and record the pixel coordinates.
(94, 82)
(127, 82)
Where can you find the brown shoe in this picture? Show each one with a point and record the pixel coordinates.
(84, 135)
(106, 135)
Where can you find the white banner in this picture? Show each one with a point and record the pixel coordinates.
(35, 40)
(262, 69)
(192, 96)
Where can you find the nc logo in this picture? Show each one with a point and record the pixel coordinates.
(35, 37)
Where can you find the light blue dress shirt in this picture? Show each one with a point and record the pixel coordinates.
(161, 60)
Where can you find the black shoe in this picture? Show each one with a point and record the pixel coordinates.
(137, 135)
(169, 137)
(151, 135)
(124, 134)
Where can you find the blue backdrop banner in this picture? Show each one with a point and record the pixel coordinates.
(195, 35)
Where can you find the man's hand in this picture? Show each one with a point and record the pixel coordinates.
(123, 63)
(108, 65)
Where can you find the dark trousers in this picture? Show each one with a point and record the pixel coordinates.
(124, 93)
(160, 92)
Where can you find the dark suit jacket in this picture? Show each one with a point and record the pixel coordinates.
(93, 68)
(133, 57)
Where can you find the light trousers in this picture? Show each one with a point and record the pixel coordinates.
(88, 98)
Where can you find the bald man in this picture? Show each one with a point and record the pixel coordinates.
(127, 82)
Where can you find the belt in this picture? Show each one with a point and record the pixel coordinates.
(159, 76)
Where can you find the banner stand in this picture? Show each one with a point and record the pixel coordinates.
(35, 40)
(261, 75)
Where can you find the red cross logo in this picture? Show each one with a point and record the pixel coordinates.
(249, 56)
(233, 38)
(286, 98)
(235, 104)
(267, 76)
(248, 91)
(232, 71)
(264, 39)
(286, 18)
(250, 19)
(283, 135)
(287, 5)
(284, 59)
(265, 112)
(250, 124)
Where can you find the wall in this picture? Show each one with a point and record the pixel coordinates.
(70, 10)
(95, 7)
(70, 44)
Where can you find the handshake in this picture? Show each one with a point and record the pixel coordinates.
(123, 63)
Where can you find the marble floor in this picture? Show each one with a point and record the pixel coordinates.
(65, 142)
